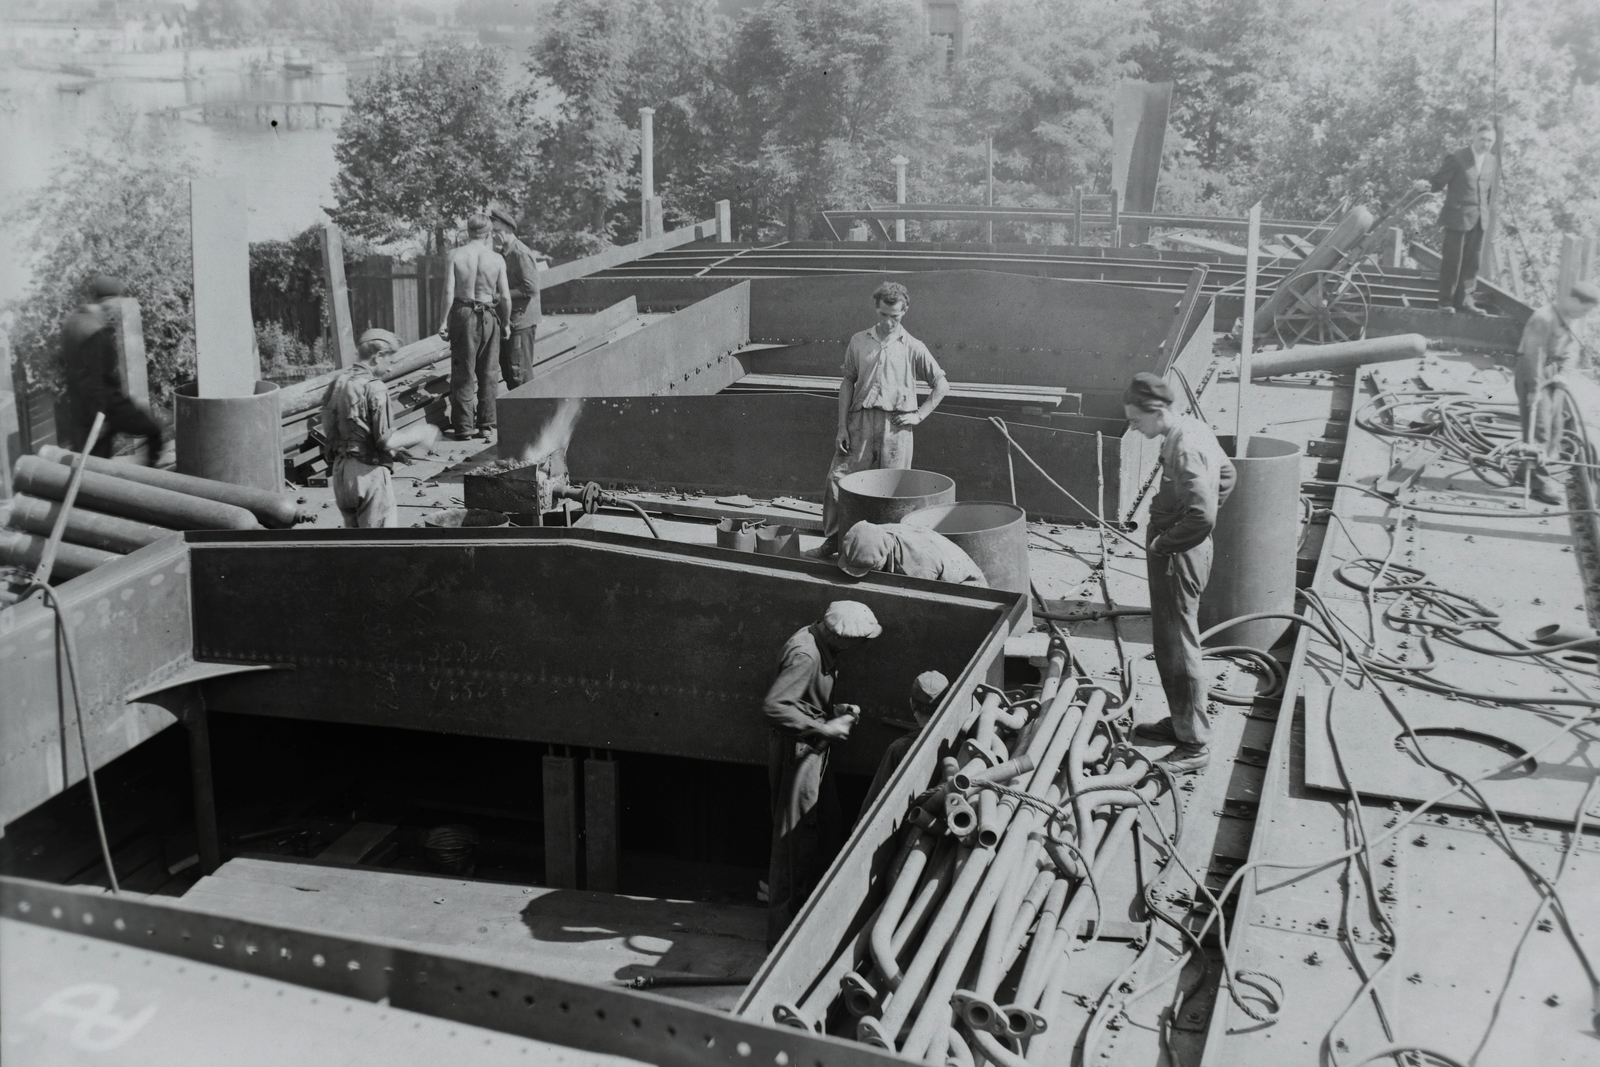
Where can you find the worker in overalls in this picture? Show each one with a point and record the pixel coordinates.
(1196, 477)
(478, 296)
(807, 828)
(878, 401)
(903, 548)
(357, 439)
(1548, 348)
(926, 692)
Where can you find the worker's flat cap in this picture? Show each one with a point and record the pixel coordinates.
(103, 287)
(851, 618)
(502, 215)
(379, 334)
(1146, 387)
(1588, 292)
(929, 687)
(864, 549)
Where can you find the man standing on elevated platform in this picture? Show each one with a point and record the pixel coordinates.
(478, 297)
(1548, 348)
(807, 829)
(1196, 477)
(1469, 179)
(522, 275)
(878, 401)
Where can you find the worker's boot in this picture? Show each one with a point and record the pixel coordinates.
(1468, 307)
(1160, 733)
(1186, 758)
(829, 548)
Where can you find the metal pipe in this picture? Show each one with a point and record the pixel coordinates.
(89, 528)
(959, 816)
(812, 1010)
(894, 906)
(1049, 913)
(1076, 758)
(20, 549)
(921, 908)
(1000, 772)
(958, 1053)
(275, 511)
(131, 500)
(1054, 668)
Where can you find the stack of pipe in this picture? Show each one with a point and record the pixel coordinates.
(121, 507)
(964, 959)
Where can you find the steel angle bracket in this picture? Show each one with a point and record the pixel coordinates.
(619, 1022)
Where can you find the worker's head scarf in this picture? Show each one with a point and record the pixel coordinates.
(865, 549)
(850, 618)
(1148, 391)
(378, 342)
(103, 287)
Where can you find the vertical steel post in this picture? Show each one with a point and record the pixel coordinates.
(1116, 219)
(1247, 338)
(560, 822)
(647, 170)
(900, 164)
(601, 837)
(1077, 215)
(989, 154)
(197, 720)
(724, 221)
(1395, 248)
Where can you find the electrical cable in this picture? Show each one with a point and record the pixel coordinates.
(1000, 424)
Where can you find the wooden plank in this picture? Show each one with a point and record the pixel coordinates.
(560, 822)
(708, 508)
(358, 842)
(620, 254)
(1033, 395)
(601, 833)
(344, 338)
(225, 357)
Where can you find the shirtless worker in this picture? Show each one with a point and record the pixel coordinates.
(359, 444)
(478, 295)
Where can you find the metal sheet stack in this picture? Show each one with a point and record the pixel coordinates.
(121, 508)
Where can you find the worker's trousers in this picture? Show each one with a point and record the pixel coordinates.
(875, 444)
(1458, 266)
(1176, 582)
(1535, 428)
(516, 357)
(474, 346)
(364, 494)
(806, 830)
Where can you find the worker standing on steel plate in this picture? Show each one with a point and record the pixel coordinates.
(1196, 477)
(1469, 179)
(1548, 348)
(878, 401)
(478, 297)
(806, 825)
(926, 692)
(522, 276)
(357, 438)
(901, 548)
(94, 374)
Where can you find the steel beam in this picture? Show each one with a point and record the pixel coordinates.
(601, 831)
(557, 636)
(560, 822)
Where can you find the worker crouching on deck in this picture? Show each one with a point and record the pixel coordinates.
(806, 826)
(914, 551)
(359, 444)
(1196, 477)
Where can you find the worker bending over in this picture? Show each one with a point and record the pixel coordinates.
(94, 374)
(359, 444)
(878, 401)
(1196, 477)
(926, 692)
(478, 296)
(1548, 348)
(806, 826)
(901, 548)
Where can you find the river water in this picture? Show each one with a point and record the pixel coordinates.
(288, 172)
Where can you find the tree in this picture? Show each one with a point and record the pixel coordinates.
(428, 143)
(119, 205)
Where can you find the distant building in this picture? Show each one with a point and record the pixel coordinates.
(107, 26)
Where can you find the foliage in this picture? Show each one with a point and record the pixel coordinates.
(118, 205)
(347, 24)
(287, 286)
(286, 357)
(426, 143)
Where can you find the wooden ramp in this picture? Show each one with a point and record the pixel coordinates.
(574, 934)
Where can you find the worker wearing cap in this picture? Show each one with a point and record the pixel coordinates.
(479, 298)
(806, 825)
(94, 374)
(1196, 477)
(926, 692)
(358, 441)
(1549, 347)
(903, 548)
(878, 401)
(522, 275)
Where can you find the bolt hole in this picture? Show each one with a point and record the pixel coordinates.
(565, 1006)
(318, 960)
(600, 1013)
(637, 1024)
(528, 1000)
(494, 994)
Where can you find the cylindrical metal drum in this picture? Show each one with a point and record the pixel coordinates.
(1255, 542)
(236, 439)
(84, 527)
(881, 496)
(995, 535)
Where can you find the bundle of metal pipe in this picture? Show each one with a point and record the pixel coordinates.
(1002, 851)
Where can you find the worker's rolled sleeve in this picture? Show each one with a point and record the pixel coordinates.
(792, 706)
(1196, 478)
(885, 372)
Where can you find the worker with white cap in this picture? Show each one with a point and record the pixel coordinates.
(902, 548)
(358, 443)
(926, 692)
(806, 826)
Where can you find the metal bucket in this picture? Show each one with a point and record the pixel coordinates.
(778, 541)
(451, 848)
(456, 518)
(995, 535)
(737, 534)
(1255, 542)
(236, 439)
(890, 495)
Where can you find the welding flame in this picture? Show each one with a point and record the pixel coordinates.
(556, 433)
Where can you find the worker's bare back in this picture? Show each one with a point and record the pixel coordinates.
(478, 273)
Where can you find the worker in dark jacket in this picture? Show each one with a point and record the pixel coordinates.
(806, 825)
(94, 374)
(1196, 477)
(359, 444)
(926, 692)
(522, 272)
(1469, 179)
(904, 548)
